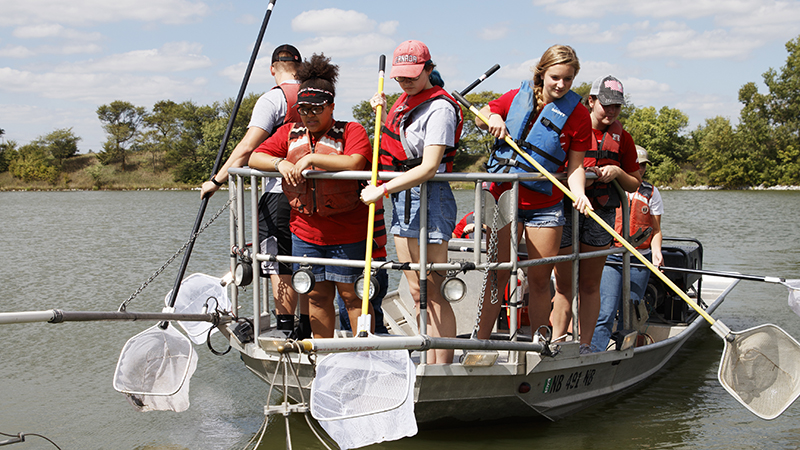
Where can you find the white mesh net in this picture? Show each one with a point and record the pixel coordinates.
(761, 369)
(199, 291)
(794, 295)
(154, 368)
(366, 397)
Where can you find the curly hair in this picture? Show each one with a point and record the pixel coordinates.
(557, 54)
(318, 73)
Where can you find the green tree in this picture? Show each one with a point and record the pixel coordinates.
(365, 115)
(34, 162)
(163, 129)
(121, 121)
(662, 133)
(8, 150)
(476, 144)
(62, 144)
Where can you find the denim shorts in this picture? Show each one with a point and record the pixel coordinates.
(338, 274)
(589, 231)
(550, 217)
(441, 213)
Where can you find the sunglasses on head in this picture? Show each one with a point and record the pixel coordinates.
(315, 110)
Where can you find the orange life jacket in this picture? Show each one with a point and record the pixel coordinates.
(604, 152)
(324, 197)
(639, 203)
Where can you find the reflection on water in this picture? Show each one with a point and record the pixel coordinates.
(91, 250)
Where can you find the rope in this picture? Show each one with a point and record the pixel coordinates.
(191, 240)
(20, 437)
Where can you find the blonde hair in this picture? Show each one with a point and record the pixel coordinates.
(557, 54)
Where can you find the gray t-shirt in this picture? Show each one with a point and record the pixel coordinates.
(433, 123)
(270, 110)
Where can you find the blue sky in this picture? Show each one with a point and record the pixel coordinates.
(60, 60)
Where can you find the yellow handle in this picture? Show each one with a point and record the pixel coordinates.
(376, 145)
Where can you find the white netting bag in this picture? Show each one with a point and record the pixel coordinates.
(199, 291)
(761, 369)
(366, 397)
(794, 295)
(154, 369)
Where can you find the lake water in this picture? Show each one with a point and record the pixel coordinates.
(91, 250)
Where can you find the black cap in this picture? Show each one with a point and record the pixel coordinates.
(286, 48)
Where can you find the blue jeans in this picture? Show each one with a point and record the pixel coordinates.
(611, 296)
(380, 328)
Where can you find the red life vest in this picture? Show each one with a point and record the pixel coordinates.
(324, 197)
(379, 232)
(639, 203)
(394, 154)
(290, 94)
(604, 152)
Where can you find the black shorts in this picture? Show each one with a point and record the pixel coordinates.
(589, 231)
(273, 227)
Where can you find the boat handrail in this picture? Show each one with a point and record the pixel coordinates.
(238, 241)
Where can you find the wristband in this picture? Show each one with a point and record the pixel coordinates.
(216, 183)
(385, 191)
(276, 162)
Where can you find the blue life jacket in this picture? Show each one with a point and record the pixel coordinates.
(543, 142)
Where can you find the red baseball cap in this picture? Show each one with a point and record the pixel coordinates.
(409, 59)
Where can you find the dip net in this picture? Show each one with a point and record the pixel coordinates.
(154, 368)
(364, 398)
(761, 368)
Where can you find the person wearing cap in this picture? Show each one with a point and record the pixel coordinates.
(420, 135)
(611, 157)
(327, 218)
(272, 109)
(646, 208)
(521, 114)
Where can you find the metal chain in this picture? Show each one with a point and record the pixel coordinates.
(155, 274)
(491, 257)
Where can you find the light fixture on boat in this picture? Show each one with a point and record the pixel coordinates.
(374, 286)
(243, 273)
(453, 288)
(303, 280)
(479, 358)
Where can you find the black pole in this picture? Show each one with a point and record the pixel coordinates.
(218, 161)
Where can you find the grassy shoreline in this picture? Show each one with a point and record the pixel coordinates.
(85, 173)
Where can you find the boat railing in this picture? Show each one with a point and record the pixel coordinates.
(241, 255)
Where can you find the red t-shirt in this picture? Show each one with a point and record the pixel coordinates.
(346, 228)
(575, 137)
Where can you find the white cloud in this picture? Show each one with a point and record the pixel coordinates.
(495, 32)
(16, 51)
(98, 88)
(332, 22)
(53, 31)
(81, 12)
(347, 46)
(389, 27)
(588, 32)
(679, 41)
(171, 57)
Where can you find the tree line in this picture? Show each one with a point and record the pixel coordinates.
(184, 138)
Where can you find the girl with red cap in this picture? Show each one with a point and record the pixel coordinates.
(420, 135)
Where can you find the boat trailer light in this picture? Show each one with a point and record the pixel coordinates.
(453, 289)
(243, 274)
(479, 358)
(303, 280)
(374, 286)
(624, 339)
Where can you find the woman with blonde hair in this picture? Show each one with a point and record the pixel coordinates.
(542, 116)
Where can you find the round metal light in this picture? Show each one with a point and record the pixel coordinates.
(243, 274)
(303, 281)
(454, 289)
(373, 287)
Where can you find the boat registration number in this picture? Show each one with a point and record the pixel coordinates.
(567, 382)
